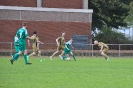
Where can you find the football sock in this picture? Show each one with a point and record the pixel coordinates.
(73, 57)
(25, 58)
(105, 56)
(39, 55)
(15, 57)
(64, 57)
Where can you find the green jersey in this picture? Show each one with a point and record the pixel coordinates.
(67, 48)
(15, 40)
(68, 45)
(22, 34)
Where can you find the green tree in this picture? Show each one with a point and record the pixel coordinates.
(107, 35)
(111, 13)
(129, 18)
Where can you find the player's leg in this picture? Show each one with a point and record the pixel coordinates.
(58, 48)
(25, 53)
(104, 54)
(39, 55)
(15, 57)
(25, 57)
(16, 47)
(105, 51)
(65, 56)
(62, 48)
(62, 53)
(32, 54)
(73, 55)
(55, 53)
(66, 53)
(34, 48)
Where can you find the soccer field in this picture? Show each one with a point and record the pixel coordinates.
(84, 73)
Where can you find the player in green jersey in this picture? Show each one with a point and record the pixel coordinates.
(68, 50)
(103, 49)
(60, 45)
(35, 42)
(21, 34)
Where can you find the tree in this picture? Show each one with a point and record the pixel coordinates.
(129, 18)
(109, 12)
(107, 35)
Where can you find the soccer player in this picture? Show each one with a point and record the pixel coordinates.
(103, 49)
(35, 41)
(60, 45)
(68, 50)
(21, 34)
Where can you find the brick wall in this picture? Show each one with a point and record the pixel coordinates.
(48, 31)
(49, 23)
(77, 4)
(24, 3)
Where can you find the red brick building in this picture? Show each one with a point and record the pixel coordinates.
(49, 17)
(77, 4)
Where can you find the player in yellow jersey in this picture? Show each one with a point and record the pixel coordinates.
(60, 45)
(35, 41)
(103, 49)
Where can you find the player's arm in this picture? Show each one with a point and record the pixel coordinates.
(40, 42)
(16, 41)
(64, 41)
(72, 47)
(57, 40)
(101, 48)
(29, 38)
(28, 42)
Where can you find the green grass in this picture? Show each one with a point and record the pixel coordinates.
(84, 73)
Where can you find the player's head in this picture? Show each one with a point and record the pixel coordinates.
(95, 42)
(25, 24)
(63, 34)
(34, 32)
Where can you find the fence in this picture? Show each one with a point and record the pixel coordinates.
(115, 50)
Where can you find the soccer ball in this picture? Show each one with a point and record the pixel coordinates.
(68, 58)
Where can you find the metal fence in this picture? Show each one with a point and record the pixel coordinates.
(115, 50)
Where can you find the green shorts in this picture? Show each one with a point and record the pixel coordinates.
(67, 51)
(22, 46)
(16, 48)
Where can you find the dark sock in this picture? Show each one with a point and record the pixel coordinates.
(64, 57)
(15, 57)
(74, 57)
